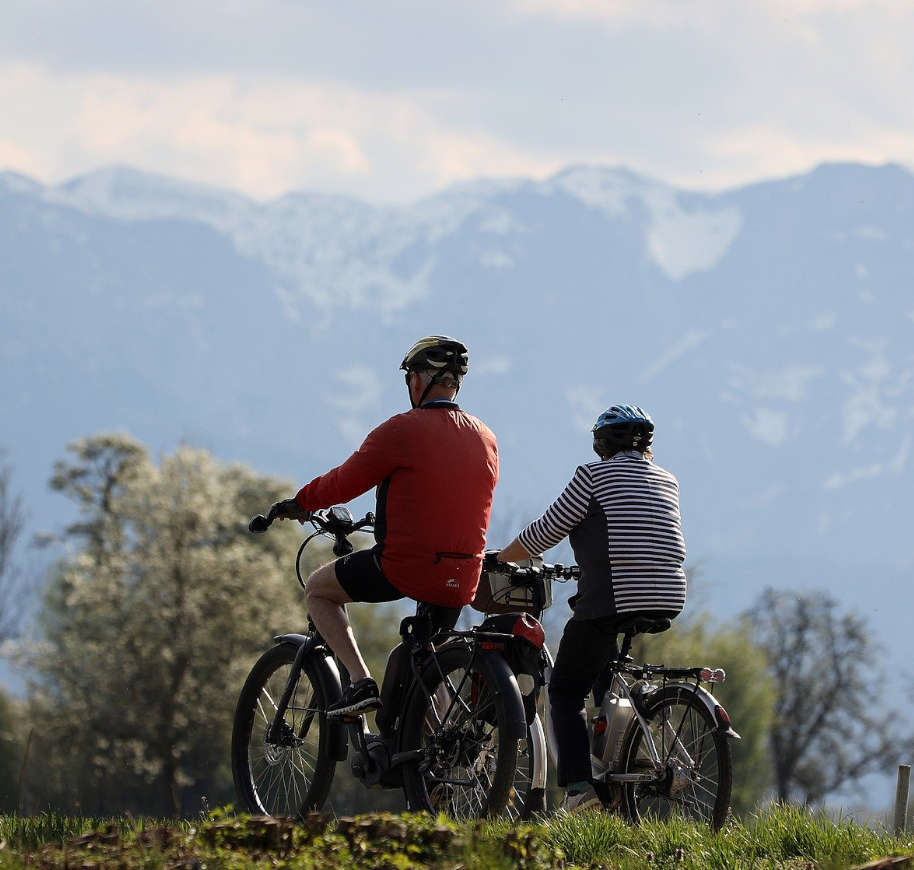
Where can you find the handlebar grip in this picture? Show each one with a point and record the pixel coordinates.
(258, 524)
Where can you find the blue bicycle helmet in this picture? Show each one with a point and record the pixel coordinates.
(622, 427)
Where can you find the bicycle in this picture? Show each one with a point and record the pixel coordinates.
(660, 740)
(450, 725)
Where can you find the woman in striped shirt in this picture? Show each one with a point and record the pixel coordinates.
(621, 515)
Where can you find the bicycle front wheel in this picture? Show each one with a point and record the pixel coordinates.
(461, 723)
(288, 772)
(696, 772)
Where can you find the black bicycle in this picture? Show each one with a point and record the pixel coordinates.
(451, 723)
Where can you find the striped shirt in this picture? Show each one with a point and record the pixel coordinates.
(622, 517)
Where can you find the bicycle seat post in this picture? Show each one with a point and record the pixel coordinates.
(626, 646)
(416, 631)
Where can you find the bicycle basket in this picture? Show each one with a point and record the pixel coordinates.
(497, 593)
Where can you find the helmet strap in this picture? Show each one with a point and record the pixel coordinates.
(429, 385)
(432, 382)
(409, 390)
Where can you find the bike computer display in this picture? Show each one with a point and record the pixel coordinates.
(339, 515)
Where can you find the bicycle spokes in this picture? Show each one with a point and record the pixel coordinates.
(282, 764)
(461, 738)
(689, 781)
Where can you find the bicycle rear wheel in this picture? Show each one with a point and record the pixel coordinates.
(470, 753)
(289, 774)
(696, 772)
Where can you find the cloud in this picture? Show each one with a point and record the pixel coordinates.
(767, 425)
(263, 137)
(664, 13)
(359, 387)
(493, 365)
(586, 404)
(22, 159)
(895, 466)
(275, 96)
(692, 339)
(358, 390)
(764, 150)
(824, 321)
(790, 383)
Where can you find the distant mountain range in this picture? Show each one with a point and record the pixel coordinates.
(768, 329)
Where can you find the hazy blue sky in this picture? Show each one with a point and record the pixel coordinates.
(393, 100)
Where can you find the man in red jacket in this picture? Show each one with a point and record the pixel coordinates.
(435, 469)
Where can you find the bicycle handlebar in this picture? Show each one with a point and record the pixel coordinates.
(334, 520)
(558, 571)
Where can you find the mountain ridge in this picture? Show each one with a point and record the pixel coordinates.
(767, 328)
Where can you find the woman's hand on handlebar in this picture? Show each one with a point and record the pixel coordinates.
(514, 552)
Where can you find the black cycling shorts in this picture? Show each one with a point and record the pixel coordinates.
(361, 577)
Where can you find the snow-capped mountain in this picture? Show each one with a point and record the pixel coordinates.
(768, 329)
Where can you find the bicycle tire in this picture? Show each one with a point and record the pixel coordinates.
(695, 755)
(468, 741)
(281, 780)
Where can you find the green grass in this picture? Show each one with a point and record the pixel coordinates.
(782, 837)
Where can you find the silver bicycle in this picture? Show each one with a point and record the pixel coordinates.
(660, 740)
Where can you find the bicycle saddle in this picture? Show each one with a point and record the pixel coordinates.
(643, 625)
(430, 619)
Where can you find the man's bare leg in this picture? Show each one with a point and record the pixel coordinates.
(326, 600)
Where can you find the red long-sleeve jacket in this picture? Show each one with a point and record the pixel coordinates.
(435, 470)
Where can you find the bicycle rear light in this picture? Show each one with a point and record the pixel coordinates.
(715, 675)
(723, 717)
(527, 627)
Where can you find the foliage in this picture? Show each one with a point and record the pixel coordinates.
(826, 732)
(150, 627)
(748, 694)
(780, 838)
(9, 755)
(11, 524)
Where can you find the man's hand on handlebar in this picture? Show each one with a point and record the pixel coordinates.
(490, 560)
(288, 509)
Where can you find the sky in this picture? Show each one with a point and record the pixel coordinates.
(392, 101)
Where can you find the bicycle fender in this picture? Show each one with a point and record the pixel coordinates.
(328, 677)
(723, 725)
(498, 670)
(537, 738)
(296, 640)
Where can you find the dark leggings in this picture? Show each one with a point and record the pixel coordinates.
(586, 648)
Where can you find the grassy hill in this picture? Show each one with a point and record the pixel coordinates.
(782, 837)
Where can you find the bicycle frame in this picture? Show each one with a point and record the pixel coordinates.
(639, 721)
(379, 758)
(625, 692)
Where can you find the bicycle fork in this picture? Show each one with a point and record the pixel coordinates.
(275, 729)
